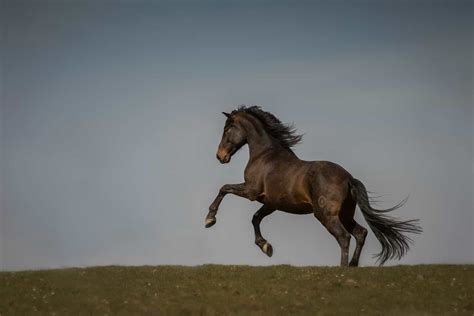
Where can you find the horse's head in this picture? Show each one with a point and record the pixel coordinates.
(233, 138)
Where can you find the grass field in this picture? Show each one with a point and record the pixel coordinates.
(243, 290)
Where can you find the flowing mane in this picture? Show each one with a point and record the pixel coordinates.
(284, 134)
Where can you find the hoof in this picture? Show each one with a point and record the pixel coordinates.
(210, 222)
(267, 249)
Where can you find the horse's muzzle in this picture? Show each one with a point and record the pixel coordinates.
(224, 159)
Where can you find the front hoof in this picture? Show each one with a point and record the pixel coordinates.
(267, 249)
(210, 222)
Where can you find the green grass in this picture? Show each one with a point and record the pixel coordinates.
(242, 290)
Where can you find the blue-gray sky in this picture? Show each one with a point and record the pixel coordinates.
(110, 120)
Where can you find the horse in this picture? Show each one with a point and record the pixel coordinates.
(277, 178)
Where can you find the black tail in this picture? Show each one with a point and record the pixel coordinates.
(388, 230)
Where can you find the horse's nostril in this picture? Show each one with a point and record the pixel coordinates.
(217, 156)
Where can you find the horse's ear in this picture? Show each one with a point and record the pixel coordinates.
(226, 114)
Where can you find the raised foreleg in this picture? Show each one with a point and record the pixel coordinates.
(237, 189)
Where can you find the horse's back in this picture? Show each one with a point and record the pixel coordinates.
(329, 171)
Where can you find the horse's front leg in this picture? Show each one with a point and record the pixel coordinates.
(237, 189)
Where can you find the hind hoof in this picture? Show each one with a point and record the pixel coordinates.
(210, 222)
(353, 264)
(267, 249)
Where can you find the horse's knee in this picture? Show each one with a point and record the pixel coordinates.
(224, 189)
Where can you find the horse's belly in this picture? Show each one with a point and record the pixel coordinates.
(288, 205)
(298, 210)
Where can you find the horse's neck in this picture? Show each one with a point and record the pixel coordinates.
(258, 139)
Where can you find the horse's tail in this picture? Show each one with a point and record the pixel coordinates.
(388, 230)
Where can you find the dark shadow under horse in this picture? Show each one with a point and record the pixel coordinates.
(277, 178)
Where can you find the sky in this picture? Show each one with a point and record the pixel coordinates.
(110, 119)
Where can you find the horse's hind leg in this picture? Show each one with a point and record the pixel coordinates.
(329, 217)
(347, 217)
(359, 233)
(256, 220)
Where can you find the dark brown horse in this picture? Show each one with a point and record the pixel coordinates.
(279, 180)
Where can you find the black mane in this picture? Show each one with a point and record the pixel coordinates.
(284, 134)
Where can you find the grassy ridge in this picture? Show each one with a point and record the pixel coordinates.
(243, 290)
